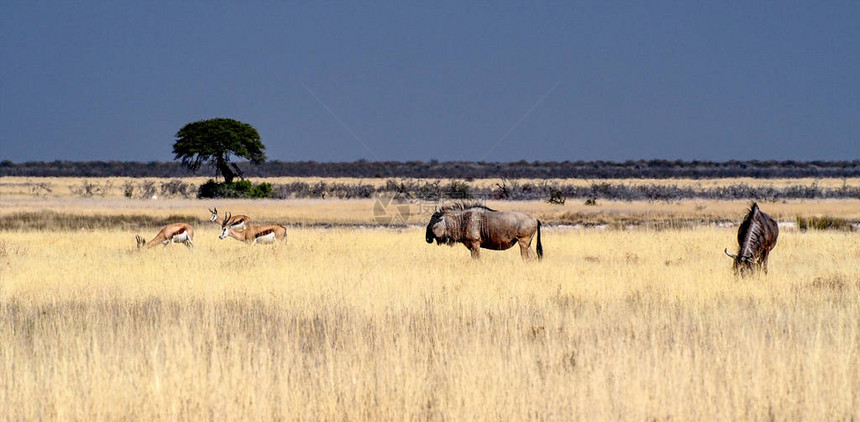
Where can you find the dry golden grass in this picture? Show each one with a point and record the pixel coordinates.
(358, 324)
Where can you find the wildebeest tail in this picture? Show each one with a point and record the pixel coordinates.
(539, 247)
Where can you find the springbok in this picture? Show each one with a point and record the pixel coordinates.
(252, 235)
(239, 221)
(171, 233)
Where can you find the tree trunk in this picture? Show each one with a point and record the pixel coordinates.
(225, 170)
(238, 171)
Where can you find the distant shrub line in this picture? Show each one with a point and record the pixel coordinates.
(554, 192)
(431, 190)
(640, 169)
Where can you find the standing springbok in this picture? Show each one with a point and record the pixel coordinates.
(252, 235)
(239, 221)
(171, 233)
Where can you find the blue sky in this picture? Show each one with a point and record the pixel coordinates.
(335, 81)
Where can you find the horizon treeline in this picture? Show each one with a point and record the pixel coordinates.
(433, 169)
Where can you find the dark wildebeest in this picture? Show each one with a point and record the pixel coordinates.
(477, 226)
(756, 238)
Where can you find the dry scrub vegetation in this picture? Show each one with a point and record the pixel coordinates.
(95, 213)
(358, 324)
(520, 189)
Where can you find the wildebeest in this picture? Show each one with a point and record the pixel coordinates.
(171, 233)
(477, 226)
(756, 238)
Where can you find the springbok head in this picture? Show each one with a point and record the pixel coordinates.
(140, 242)
(225, 226)
(214, 216)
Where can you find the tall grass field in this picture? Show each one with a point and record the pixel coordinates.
(352, 322)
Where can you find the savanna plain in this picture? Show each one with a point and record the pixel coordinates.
(351, 320)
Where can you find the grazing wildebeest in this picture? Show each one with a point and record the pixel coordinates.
(171, 233)
(756, 238)
(477, 226)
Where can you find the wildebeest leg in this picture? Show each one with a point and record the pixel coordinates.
(764, 257)
(475, 249)
(476, 252)
(525, 251)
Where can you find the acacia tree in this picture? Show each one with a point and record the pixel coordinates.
(214, 141)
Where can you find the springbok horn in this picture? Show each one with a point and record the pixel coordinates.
(730, 255)
(227, 218)
(210, 210)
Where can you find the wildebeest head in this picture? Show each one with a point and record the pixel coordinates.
(757, 235)
(742, 265)
(437, 229)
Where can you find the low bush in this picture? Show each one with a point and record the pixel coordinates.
(823, 223)
(240, 189)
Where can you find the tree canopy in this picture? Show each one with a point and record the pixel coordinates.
(214, 141)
